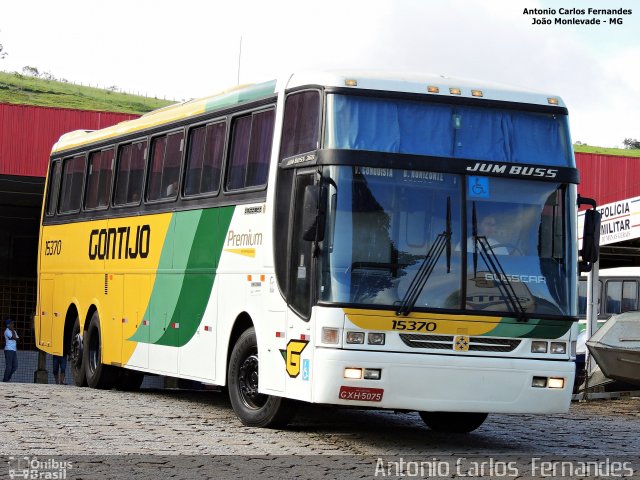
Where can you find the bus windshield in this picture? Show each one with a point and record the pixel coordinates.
(502, 253)
(443, 130)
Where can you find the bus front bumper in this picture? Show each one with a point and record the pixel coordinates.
(452, 383)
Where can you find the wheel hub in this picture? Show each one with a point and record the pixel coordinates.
(76, 349)
(248, 383)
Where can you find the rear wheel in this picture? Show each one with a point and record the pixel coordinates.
(76, 354)
(254, 409)
(98, 375)
(453, 422)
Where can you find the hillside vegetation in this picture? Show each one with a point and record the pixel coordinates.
(26, 90)
(624, 152)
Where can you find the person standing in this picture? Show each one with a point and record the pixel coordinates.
(10, 350)
(59, 368)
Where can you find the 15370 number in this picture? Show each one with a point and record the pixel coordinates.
(53, 247)
(413, 326)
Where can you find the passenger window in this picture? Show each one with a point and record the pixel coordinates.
(204, 158)
(301, 126)
(251, 140)
(629, 296)
(130, 173)
(54, 183)
(99, 179)
(614, 296)
(72, 179)
(166, 153)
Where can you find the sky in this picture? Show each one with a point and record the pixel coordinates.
(188, 49)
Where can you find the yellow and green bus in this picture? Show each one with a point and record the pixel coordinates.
(403, 242)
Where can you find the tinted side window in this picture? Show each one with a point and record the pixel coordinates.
(204, 158)
(614, 296)
(72, 179)
(54, 183)
(130, 173)
(251, 140)
(166, 153)
(99, 179)
(301, 124)
(629, 296)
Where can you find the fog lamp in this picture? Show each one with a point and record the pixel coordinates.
(372, 373)
(556, 383)
(353, 373)
(539, 382)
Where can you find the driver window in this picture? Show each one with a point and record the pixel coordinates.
(301, 252)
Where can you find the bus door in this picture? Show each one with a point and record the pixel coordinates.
(298, 361)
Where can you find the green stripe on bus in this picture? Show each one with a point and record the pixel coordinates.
(252, 92)
(534, 328)
(179, 299)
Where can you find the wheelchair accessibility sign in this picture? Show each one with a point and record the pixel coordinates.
(478, 187)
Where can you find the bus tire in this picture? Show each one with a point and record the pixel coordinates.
(76, 355)
(98, 375)
(252, 408)
(128, 380)
(453, 422)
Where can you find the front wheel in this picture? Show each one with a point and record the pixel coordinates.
(76, 354)
(453, 422)
(254, 409)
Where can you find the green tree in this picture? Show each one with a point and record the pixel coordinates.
(631, 143)
(31, 71)
(3, 52)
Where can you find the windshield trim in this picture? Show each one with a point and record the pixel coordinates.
(454, 166)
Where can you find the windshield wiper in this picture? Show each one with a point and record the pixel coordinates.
(491, 261)
(442, 243)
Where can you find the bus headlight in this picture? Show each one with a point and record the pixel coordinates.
(538, 347)
(375, 338)
(355, 337)
(558, 347)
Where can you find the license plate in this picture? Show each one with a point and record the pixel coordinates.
(361, 394)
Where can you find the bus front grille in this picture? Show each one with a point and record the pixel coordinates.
(446, 342)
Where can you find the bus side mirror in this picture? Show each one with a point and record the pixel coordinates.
(313, 215)
(590, 240)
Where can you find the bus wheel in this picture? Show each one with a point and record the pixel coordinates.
(129, 380)
(75, 355)
(453, 422)
(254, 409)
(98, 375)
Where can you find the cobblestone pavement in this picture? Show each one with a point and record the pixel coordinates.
(53, 420)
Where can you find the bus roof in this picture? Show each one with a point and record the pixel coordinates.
(438, 85)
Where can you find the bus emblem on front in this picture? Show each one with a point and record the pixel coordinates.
(461, 343)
